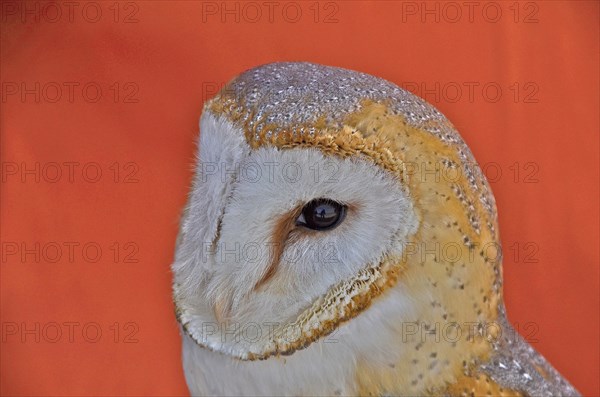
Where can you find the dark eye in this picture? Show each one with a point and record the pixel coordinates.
(322, 214)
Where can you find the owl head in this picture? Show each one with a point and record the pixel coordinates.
(318, 193)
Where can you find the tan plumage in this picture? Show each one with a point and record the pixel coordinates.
(449, 264)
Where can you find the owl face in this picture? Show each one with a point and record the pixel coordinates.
(306, 207)
(275, 230)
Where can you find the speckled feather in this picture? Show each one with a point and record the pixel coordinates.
(347, 113)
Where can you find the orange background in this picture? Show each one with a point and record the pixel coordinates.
(166, 58)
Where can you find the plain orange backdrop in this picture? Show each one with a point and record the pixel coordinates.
(531, 119)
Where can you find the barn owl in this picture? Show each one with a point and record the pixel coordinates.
(340, 239)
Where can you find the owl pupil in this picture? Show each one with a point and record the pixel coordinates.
(323, 214)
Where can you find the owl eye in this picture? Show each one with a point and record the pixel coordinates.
(322, 214)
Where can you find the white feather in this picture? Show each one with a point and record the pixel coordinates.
(245, 194)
